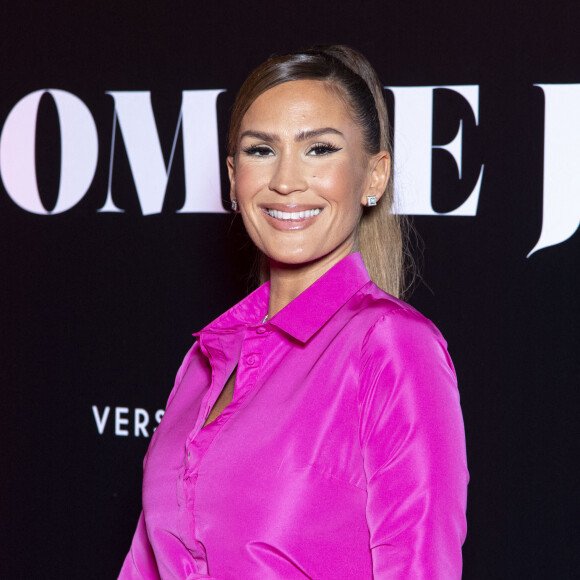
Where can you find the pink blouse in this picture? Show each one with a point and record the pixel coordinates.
(342, 454)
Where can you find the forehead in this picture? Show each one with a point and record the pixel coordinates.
(304, 101)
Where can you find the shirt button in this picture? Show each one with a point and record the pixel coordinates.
(251, 360)
(261, 330)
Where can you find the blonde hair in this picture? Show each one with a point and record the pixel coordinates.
(381, 232)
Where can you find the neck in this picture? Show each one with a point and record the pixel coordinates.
(287, 281)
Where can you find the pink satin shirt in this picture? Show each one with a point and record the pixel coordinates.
(342, 454)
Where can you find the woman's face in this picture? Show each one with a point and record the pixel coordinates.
(301, 174)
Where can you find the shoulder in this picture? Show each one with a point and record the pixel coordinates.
(192, 354)
(405, 370)
(389, 321)
(398, 341)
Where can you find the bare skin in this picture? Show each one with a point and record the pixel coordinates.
(301, 151)
(287, 282)
(224, 399)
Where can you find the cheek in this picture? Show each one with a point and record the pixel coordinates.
(333, 178)
(249, 179)
(342, 185)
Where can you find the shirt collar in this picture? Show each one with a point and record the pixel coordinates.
(248, 312)
(308, 312)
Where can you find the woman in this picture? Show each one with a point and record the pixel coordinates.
(314, 430)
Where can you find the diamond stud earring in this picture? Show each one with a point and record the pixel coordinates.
(234, 205)
(371, 200)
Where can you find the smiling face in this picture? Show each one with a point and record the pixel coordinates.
(301, 174)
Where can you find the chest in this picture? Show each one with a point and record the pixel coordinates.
(292, 407)
(280, 461)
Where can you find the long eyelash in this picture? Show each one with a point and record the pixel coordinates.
(330, 148)
(253, 149)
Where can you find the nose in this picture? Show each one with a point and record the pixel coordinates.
(288, 175)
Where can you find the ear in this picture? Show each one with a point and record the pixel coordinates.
(231, 174)
(379, 172)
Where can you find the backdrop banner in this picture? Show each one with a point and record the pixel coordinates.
(116, 244)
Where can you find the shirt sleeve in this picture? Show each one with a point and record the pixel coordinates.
(140, 562)
(413, 445)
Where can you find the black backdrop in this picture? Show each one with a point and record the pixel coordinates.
(97, 308)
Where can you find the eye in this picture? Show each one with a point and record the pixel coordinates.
(319, 149)
(258, 151)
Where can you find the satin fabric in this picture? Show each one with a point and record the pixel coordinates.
(342, 454)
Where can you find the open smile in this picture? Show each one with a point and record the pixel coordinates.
(293, 215)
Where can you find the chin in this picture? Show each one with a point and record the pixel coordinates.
(297, 259)
(288, 260)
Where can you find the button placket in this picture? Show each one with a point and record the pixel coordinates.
(250, 360)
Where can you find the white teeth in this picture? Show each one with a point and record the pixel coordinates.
(295, 215)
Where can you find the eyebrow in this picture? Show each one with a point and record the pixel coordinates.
(301, 136)
(304, 135)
